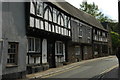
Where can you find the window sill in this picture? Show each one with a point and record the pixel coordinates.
(11, 65)
(80, 36)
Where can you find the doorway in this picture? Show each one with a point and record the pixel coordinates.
(51, 54)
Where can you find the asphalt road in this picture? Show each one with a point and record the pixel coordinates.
(89, 69)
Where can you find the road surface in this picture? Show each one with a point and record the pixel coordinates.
(88, 69)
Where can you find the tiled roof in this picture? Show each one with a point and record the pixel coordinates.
(68, 8)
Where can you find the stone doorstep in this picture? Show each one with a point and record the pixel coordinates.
(61, 68)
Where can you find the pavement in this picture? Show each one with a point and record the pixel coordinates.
(114, 72)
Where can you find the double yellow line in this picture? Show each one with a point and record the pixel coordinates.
(60, 72)
(107, 70)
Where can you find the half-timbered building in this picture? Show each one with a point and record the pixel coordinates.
(100, 41)
(48, 31)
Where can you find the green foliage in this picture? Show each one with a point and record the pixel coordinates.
(94, 11)
(115, 40)
(114, 27)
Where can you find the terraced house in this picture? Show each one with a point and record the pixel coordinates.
(40, 35)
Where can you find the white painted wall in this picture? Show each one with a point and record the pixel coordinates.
(64, 52)
(44, 51)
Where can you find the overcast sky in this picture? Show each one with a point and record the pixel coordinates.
(108, 7)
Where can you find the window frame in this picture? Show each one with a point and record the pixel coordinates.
(80, 32)
(59, 51)
(15, 58)
(34, 47)
(39, 11)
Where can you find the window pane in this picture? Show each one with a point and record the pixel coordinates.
(69, 26)
(54, 15)
(56, 27)
(32, 44)
(12, 50)
(39, 8)
(59, 19)
(59, 47)
(31, 22)
(46, 15)
(49, 27)
(46, 26)
(50, 16)
(29, 44)
(41, 25)
(37, 24)
(37, 45)
(62, 22)
(53, 28)
(32, 8)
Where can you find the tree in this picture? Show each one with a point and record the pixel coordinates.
(115, 41)
(94, 11)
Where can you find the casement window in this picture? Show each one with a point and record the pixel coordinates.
(32, 7)
(66, 21)
(40, 8)
(53, 28)
(41, 24)
(106, 34)
(100, 33)
(60, 20)
(12, 53)
(54, 15)
(80, 32)
(64, 31)
(85, 50)
(56, 29)
(95, 31)
(69, 33)
(69, 24)
(34, 45)
(48, 26)
(59, 48)
(32, 22)
(77, 50)
(89, 33)
(103, 34)
(37, 23)
(48, 15)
